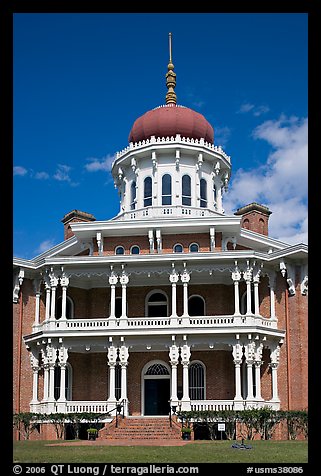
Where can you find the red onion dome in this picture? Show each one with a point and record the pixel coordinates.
(169, 120)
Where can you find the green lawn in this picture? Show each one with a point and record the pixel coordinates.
(205, 452)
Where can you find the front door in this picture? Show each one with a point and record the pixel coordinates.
(157, 394)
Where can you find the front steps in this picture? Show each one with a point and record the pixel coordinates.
(141, 428)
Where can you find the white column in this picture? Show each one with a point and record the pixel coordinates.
(63, 357)
(46, 382)
(236, 276)
(113, 279)
(272, 282)
(64, 281)
(123, 357)
(173, 357)
(237, 358)
(48, 290)
(35, 370)
(185, 357)
(275, 357)
(112, 359)
(258, 362)
(54, 284)
(256, 297)
(173, 277)
(248, 278)
(185, 278)
(219, 200)
(124, 279)
(37, 286)
(249, 351)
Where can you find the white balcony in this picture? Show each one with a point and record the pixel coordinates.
(96, 325)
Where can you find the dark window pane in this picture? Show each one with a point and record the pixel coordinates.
(166, 189)
(120, 250)
(194, 248)
(178, 249)
(135, 250)
(203, 193)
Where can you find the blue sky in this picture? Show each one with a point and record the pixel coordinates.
(81, 79)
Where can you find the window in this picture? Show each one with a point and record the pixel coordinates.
(244, 302)
(67, 381)
(133, 196)
(203, 189)
(246, 224)
(69, 308)
(157, 369)
(193, 247)
(147, 192)
(157, 305)
(166, 189)
(196, 306)
(135, 250)
(118, 306)
(186, 190)
(178, 248)
(214, 194)
(117, 380)
(196, 381)
(120, 250)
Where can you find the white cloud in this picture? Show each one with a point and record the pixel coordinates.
(222, 135)
(104, 164)
(246, 107)
(45, 245)
(281, 183)
(41, 175)
(256, 110)
(62, 173)
(18, 170)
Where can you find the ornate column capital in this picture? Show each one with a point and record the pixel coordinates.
(236, 274)
(174, 354)
(112, 355)
(237, 353)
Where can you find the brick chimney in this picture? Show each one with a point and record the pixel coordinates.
(73, 217)
(255, 217)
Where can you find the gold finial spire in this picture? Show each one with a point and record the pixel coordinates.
(170, 77)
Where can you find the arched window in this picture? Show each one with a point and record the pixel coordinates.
(261, 225)
(68, 382)
(157, 305)
(157, 369)
(69, 308)
(147, 192)
(196, 306)
(166, 189)
(246, 224)
(178, 248)
(134, 250)
(133, 196)
(196, 381)
(244, 302)
(203, 190)
(119, 250)
(194, 248)
(186, 190)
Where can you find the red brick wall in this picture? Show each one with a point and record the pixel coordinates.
(89, 375)
(255, 221)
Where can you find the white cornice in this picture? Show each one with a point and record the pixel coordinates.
(138, 227)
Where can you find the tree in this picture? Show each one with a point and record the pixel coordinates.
(26, 423)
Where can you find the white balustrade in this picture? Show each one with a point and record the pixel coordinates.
(97, 324)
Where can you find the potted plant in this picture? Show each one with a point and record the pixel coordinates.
(186, 433)
(92, 433)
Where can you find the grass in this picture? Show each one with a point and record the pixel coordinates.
(205, 452)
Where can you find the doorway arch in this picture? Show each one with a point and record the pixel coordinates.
(155, 389)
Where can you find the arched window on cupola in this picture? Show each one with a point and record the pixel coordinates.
(148, 192)
(133, 196)
(166, 189)
(186, 190)
(203, 191)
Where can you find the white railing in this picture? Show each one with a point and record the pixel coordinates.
(90, 407)
(166, 211)
(211, 405)
(101, 324)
